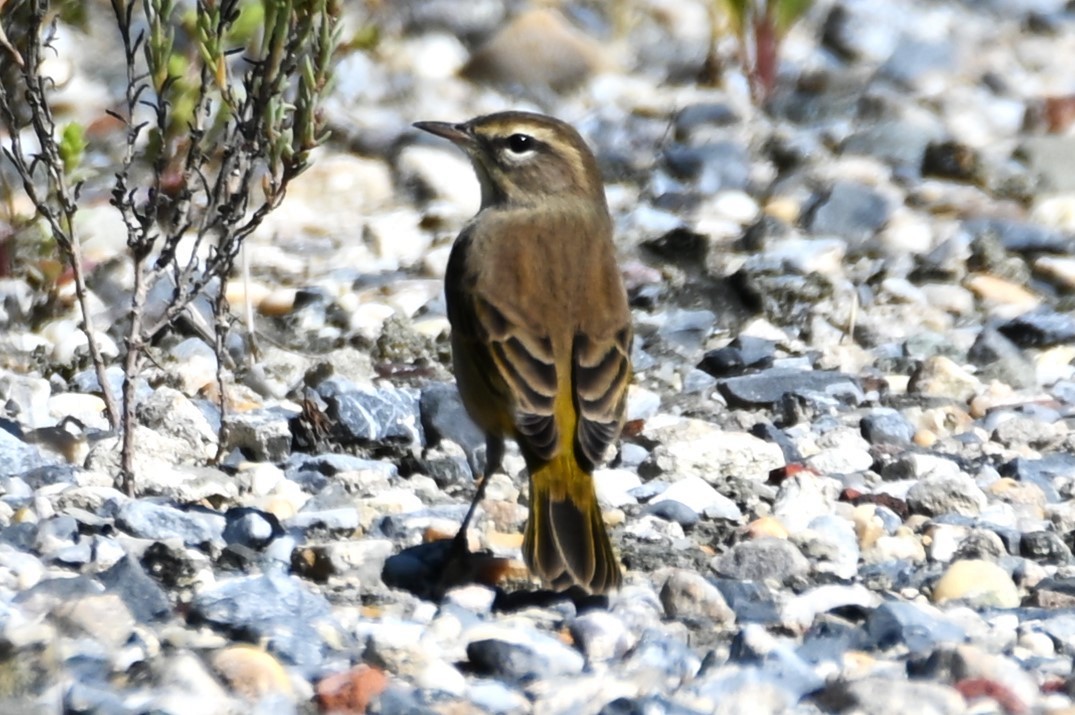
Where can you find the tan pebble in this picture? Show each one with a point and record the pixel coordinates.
(501, 541)
(983, 582)
(251, 672)
(766, 526)
(868, 526)
(784, 208)
(537, 48)
(280, 507)
(1000, 292)
(1059, 270)
(240, 293)
(614, 517)
(925, 438)
(1020, 494)
(1054, 364)
(277, 303)
(945, 421)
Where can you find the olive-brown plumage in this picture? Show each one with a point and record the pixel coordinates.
(541, 329)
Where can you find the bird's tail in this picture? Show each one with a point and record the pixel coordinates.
(566, 541)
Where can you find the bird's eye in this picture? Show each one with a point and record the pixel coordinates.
(520, 143)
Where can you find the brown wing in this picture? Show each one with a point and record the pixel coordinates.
(515, 369)
(601, 373)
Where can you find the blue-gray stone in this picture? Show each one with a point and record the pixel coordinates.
(161, 521)
(279, 608)
(144, 597)
(898, 623)
(851, 211)
(885, 425)
(366, 415)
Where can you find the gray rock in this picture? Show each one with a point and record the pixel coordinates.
(687, 595)
(768, 387)
(265, 434)
(761, 560)
(17, 457)
(946, 494)
(443, 416)
(523, 658)
(1040, 329)
(146, 600)
(296, 622)
(602, 637)
(851, 211)
(884, 425)
(713, 166)
(913, 60)
(699, 496)
(1000, 359)
(914, 626)
(160, 521)
(372, 415)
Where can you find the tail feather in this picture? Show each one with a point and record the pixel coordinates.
(566, 541)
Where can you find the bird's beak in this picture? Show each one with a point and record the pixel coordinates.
(458, 134)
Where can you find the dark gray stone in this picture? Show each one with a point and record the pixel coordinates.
(251, 527)
(851, 211)
(1045, 547)
(704, 114)
(1020, 236)
(714, 166)
(524, 660)
(672, 510)
(767, 388)
(1040, 329)
(445, 417)
(1000, 359)
(143, 596)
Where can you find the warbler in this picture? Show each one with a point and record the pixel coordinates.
(541, 331)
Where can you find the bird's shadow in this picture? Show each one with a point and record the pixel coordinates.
(429, 570)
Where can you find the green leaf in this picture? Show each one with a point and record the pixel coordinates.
(739, 12)
(788, 11)
(72, 146)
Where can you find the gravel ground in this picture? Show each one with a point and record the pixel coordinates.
(847, 482)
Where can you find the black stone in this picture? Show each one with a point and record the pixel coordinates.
(1040, 329)
(950, 160)
(1045, 547)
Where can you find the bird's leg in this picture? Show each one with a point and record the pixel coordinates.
(494, 453)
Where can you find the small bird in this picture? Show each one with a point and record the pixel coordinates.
(541, 331)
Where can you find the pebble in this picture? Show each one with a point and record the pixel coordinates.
(980, 582)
